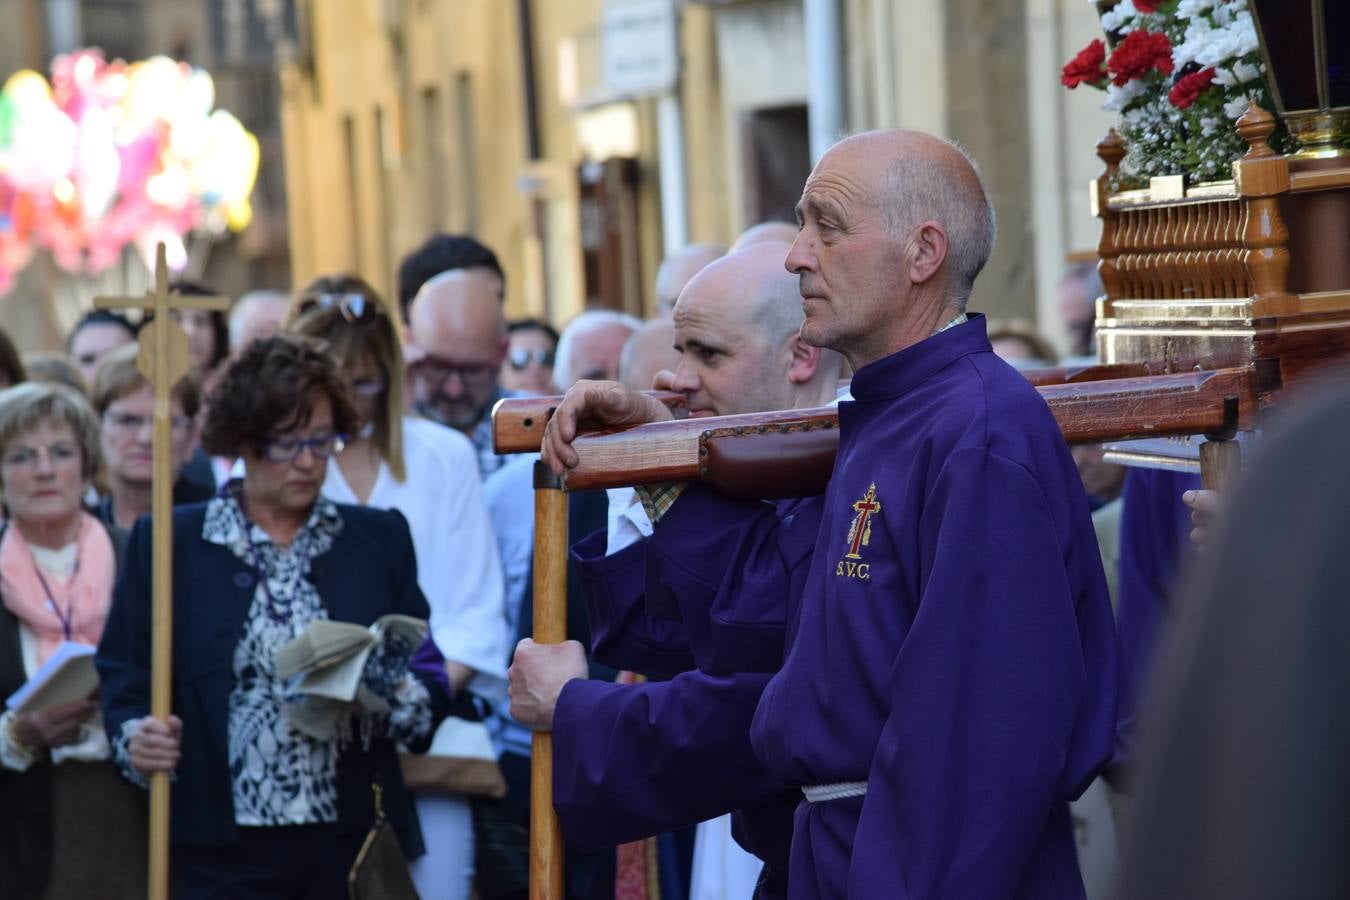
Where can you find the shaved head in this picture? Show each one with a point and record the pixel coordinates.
(456, 324)
(647, 351)
(676, 270)
(765, 233)
(895, 226)
(459, 307)
(736, 327)
(922, 177)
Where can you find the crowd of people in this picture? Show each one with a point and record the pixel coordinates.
(896, 688)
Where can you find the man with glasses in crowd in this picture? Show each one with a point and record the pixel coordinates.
(458, 345)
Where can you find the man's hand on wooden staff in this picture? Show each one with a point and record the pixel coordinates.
(537, 677)
(155, 745)
(594, 403)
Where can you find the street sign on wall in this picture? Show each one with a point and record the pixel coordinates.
(639, 47)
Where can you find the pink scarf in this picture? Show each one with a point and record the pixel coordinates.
(83, 599)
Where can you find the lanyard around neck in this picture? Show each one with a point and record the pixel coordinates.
(66, 618)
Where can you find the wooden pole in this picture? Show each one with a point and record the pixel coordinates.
(161, 642)
(1220, 464)
(163, 360)
(550, 627)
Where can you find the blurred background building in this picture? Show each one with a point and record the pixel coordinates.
(583, 139)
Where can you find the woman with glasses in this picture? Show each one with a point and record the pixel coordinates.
(429, 473)
(71, 827)
(125, 403)
(528, 367)
(261, 807)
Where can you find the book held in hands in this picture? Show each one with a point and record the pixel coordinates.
(68, 674)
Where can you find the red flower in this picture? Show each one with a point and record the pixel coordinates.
(1147, 7)
(1087, 67)
(1189, 87)
(1137, 54)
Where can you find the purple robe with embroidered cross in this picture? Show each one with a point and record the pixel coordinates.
(953, 646)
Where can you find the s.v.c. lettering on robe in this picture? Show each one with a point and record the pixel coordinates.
(859, 534)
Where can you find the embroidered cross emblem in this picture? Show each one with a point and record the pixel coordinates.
(860, 532)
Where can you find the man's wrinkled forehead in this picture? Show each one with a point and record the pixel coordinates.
(834, 187)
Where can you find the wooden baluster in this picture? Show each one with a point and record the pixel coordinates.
(1148, 259)
(1213, 247)
(1130, 258)
(1192, 268)
(1262, 175)
(1171, 257)
(1110, 150)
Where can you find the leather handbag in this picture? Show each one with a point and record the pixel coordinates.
(380, 871)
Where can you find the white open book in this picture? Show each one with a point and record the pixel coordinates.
(330, 656)
(68, 674)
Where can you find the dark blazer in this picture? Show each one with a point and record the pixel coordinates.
(26, 830)
(369, 571)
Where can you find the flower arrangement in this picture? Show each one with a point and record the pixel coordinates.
(115, 154)
(1179, 73)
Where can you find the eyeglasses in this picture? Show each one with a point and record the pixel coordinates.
(289, 449)
(27, 457)
(436, 372)
(520, 358)
(369, 388)
(129, 423)
(354, 307)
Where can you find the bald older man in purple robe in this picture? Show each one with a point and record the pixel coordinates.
(950, 677)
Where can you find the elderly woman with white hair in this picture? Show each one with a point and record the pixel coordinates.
(63, 798)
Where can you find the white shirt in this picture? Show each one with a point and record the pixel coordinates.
(458, 567)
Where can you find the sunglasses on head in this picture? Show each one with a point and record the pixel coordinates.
(520, 357)
(353, 307)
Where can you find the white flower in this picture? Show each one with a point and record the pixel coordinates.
(1189, 9)
(1115, 19)
(1247, 72)
(1117, 98)
(1235, 107)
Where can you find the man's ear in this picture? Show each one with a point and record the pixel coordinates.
(502, 349)
(805, 360)
(928, 252)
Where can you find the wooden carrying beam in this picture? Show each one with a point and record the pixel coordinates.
(791, 452)
(518, 423)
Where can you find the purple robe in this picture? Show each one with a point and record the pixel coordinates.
(1155, 529)
(954, 646)
(635, 760)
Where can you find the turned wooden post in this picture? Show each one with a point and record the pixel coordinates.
(1261, 176)
(1110, 150)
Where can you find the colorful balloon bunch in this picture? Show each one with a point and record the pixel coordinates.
(111, 154)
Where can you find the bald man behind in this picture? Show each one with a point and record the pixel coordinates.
(635, 760)
(648, 351)
(765, 233)
(458, 342)
(676, 270)
(949, 683)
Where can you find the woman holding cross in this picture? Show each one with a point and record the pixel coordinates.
(260, 806)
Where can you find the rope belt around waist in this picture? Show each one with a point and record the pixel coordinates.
(820, 793)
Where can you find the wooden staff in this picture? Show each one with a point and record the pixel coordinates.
(550, 627)
(163, 360)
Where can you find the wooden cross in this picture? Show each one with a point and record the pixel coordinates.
(163, 360)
